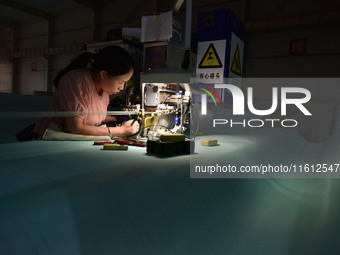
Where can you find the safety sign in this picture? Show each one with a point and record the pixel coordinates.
(211, 61)
(236, 56)
(210, 58)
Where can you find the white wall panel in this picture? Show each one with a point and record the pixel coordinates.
(29, 80)
(5, 76)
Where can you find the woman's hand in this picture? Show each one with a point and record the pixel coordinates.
(128, 129)
(75, 125)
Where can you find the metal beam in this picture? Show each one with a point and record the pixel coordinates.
(50, 33)
(27, 9)
(177, 6)
(15, 76)
(89, 4)
(49, 73)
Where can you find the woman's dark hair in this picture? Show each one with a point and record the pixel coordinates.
(113, 59)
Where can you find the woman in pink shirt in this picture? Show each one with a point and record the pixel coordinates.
(82, 92)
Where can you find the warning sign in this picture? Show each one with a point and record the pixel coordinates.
(211, 61)
(236, 64)
(236, 57)
(210, 58)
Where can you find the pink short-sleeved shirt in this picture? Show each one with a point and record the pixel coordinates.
(77, 96)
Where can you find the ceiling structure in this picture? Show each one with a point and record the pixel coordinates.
(15, 12)
(257, 15)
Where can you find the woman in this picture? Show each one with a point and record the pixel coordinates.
(82, 92)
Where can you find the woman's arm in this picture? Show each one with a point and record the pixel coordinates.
(110, 118)
(75, 125)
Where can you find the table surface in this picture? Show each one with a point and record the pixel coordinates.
(71, 197)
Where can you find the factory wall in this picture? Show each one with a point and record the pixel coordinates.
(70, 27)
(266, 50)
(267, 54)
(5, 76)
(73, 26)
(29, 80)
(6, 34)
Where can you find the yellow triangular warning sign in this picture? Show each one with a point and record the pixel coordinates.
(210, 58)
(236, 64)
